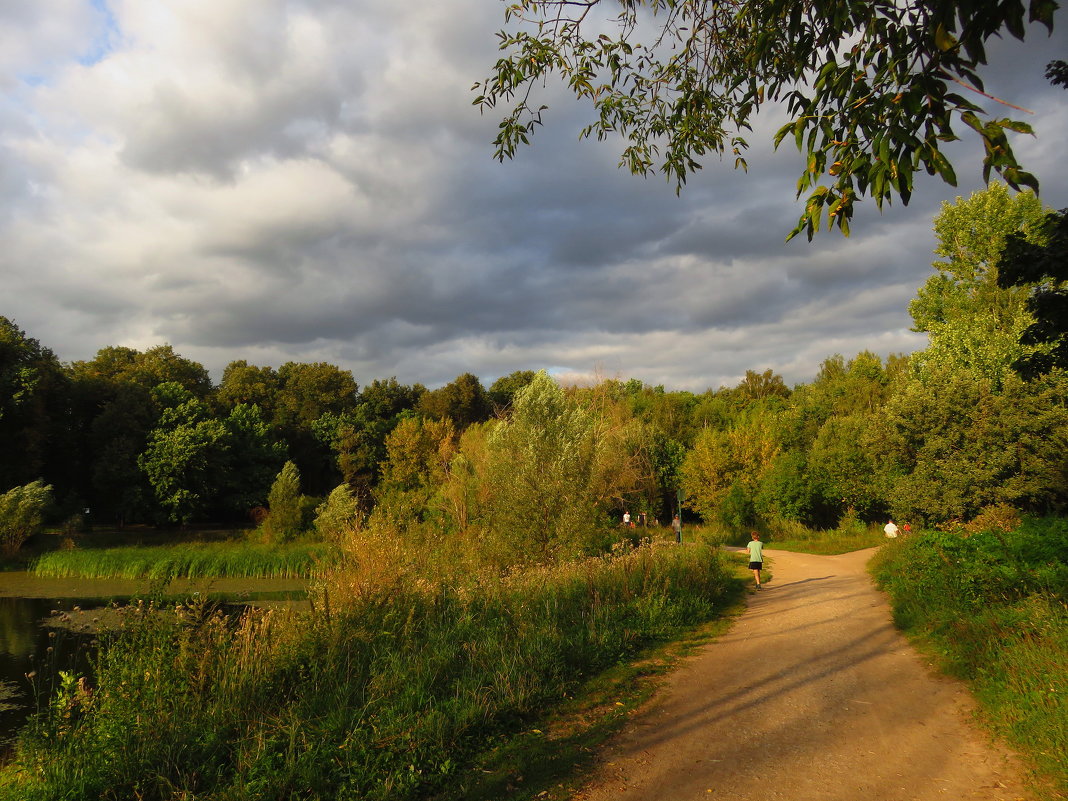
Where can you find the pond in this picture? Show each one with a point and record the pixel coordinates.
(33, 649)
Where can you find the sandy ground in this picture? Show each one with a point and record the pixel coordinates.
(812, 696)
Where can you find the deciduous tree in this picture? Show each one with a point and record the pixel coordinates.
(873, 88)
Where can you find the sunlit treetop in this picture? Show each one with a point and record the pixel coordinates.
(874, 89)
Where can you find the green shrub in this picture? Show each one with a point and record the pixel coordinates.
(383, 693)
(338, 514)
(21, 511)
(992, 605)
(286, 516)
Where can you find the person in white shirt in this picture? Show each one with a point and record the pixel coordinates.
(891, 529)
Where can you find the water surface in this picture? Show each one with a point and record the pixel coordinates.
(35, 645)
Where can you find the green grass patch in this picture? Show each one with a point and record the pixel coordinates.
(188, 560)
(828, 543)
(992, 607)
(391, 689)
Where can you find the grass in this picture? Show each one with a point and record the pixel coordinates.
(187, 560)
(399, 685)
(992, 608)
(792, 536)
(828, 543)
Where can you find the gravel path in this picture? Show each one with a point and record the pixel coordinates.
(812, 696)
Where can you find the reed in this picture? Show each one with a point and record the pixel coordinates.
(188, 560)
(386, 691)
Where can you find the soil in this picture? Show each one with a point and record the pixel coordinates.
(813, 695)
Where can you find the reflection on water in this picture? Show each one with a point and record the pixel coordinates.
(32, 653)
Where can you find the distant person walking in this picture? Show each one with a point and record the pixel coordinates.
(756, 557)
(676, 524)
(626, 518)
(891, 530)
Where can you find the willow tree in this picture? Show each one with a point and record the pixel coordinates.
(541, 469)
(873, 88)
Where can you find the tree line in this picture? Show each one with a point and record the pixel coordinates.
(942, 434)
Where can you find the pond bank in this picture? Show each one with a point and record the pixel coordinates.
(23, 584)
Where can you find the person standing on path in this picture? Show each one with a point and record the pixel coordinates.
(891, 529)
(756, 557)
(676, 525)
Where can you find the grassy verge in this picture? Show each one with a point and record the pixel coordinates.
(993, 608)
(791, 536)
(398, 686)
(827, 543)
(187, 560)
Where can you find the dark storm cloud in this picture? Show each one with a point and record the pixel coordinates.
(308, 181)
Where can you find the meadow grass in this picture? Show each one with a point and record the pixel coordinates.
(389, 689)
(188, 560)
(790, 535)
(827, 543)
(992, 608)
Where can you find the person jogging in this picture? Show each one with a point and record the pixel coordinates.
(756, 557)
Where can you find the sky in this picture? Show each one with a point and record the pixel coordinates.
(308, 180)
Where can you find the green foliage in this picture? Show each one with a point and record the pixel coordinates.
(285, 518)
(464, 401)
(541, 469)
(385, 696)
(957, 445)
(338, 515)
(21, 512)
(844, 463)
(1042, 265)
(992, 606)
(723, 472)
(872, 88)
(188, 561)
(184, 454)
(32, 389)
(974, 322)
(502, 392)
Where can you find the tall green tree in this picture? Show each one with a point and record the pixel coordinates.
(723, 472)
(541, 474)
(1044, 268)
(285, 518)
(184, 456)
(33, 406)
(873, 89)
(464, 401)
(958, 444)
(974, 323)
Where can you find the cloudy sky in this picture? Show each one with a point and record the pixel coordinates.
(307, 180)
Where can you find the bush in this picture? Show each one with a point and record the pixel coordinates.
(382, 694)
(21, 511)
(338, 514)
(992, 604)
(285, 519)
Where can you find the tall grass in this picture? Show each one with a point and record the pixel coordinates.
(382, 693)
(993, 606)
(188, 560)
(789, 535)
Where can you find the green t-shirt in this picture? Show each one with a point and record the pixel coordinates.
(756, 551)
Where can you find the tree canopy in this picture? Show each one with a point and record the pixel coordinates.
(873, 88)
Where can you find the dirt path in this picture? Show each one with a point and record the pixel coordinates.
(812, 696)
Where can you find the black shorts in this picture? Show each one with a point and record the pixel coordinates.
(756, 565)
